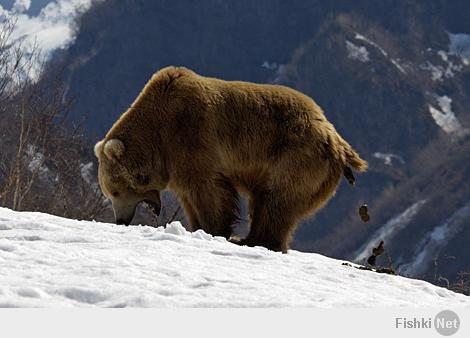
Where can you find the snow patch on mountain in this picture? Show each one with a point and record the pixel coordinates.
(389, 158)
(395, 62)
(20, 6)
(51, 29)
(280, 71)
(388, 231)
(398, 65)
(356, 52)
(451, 68)
(452, 61)
(445, 117)
(48, 261)
(431, 245)
(270, 65)
(370, 42)
(437, 72)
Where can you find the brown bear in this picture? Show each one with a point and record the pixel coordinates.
(208, 140)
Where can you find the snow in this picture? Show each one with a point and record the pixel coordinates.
(398, 66)
(281, 74)
(431, 245)
(21, 6)
(370, 42)
(388, 158)
(280, 71)
(381, 50)
(356, 52)
(445, 117)
(270, 66)
(36, 161)
(388, 231)
(448, 68)
(451, 68)
(48, 261)
(51, 29)
(86, 171)
(437, 72)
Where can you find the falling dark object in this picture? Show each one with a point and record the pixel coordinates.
(363, 210)
(377, 251)
(371, 260)
(389, 270)
(364, 213)
(347, 172)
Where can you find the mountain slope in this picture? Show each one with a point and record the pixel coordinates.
(48, 261)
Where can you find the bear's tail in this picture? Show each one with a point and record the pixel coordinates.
(354, 160)
(351, 159)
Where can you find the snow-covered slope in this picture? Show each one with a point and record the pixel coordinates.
(51, 261)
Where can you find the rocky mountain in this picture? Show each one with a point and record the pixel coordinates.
(393, 76)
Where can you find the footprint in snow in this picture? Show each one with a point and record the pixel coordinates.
(5, 245)
(166, 237)
(83, 295)
(28, 226)
(4, 227)
(201, 285)
(25, 238)
(73, 240)
(28, 292)
(237, 254)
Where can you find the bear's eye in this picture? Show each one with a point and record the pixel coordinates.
(115, 193)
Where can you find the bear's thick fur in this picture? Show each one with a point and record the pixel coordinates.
(208, 139)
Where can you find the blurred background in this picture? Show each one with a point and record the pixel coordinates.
(392, 76)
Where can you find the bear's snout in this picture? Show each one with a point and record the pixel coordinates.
(155, 207)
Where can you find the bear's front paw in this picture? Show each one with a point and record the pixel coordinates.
(237, 240)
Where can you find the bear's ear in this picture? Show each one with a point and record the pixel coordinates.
(98, 148)
(114, 149)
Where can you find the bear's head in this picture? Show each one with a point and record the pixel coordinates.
(125, 184)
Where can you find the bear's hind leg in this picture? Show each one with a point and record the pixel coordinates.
(273, 220)
(212, 205)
